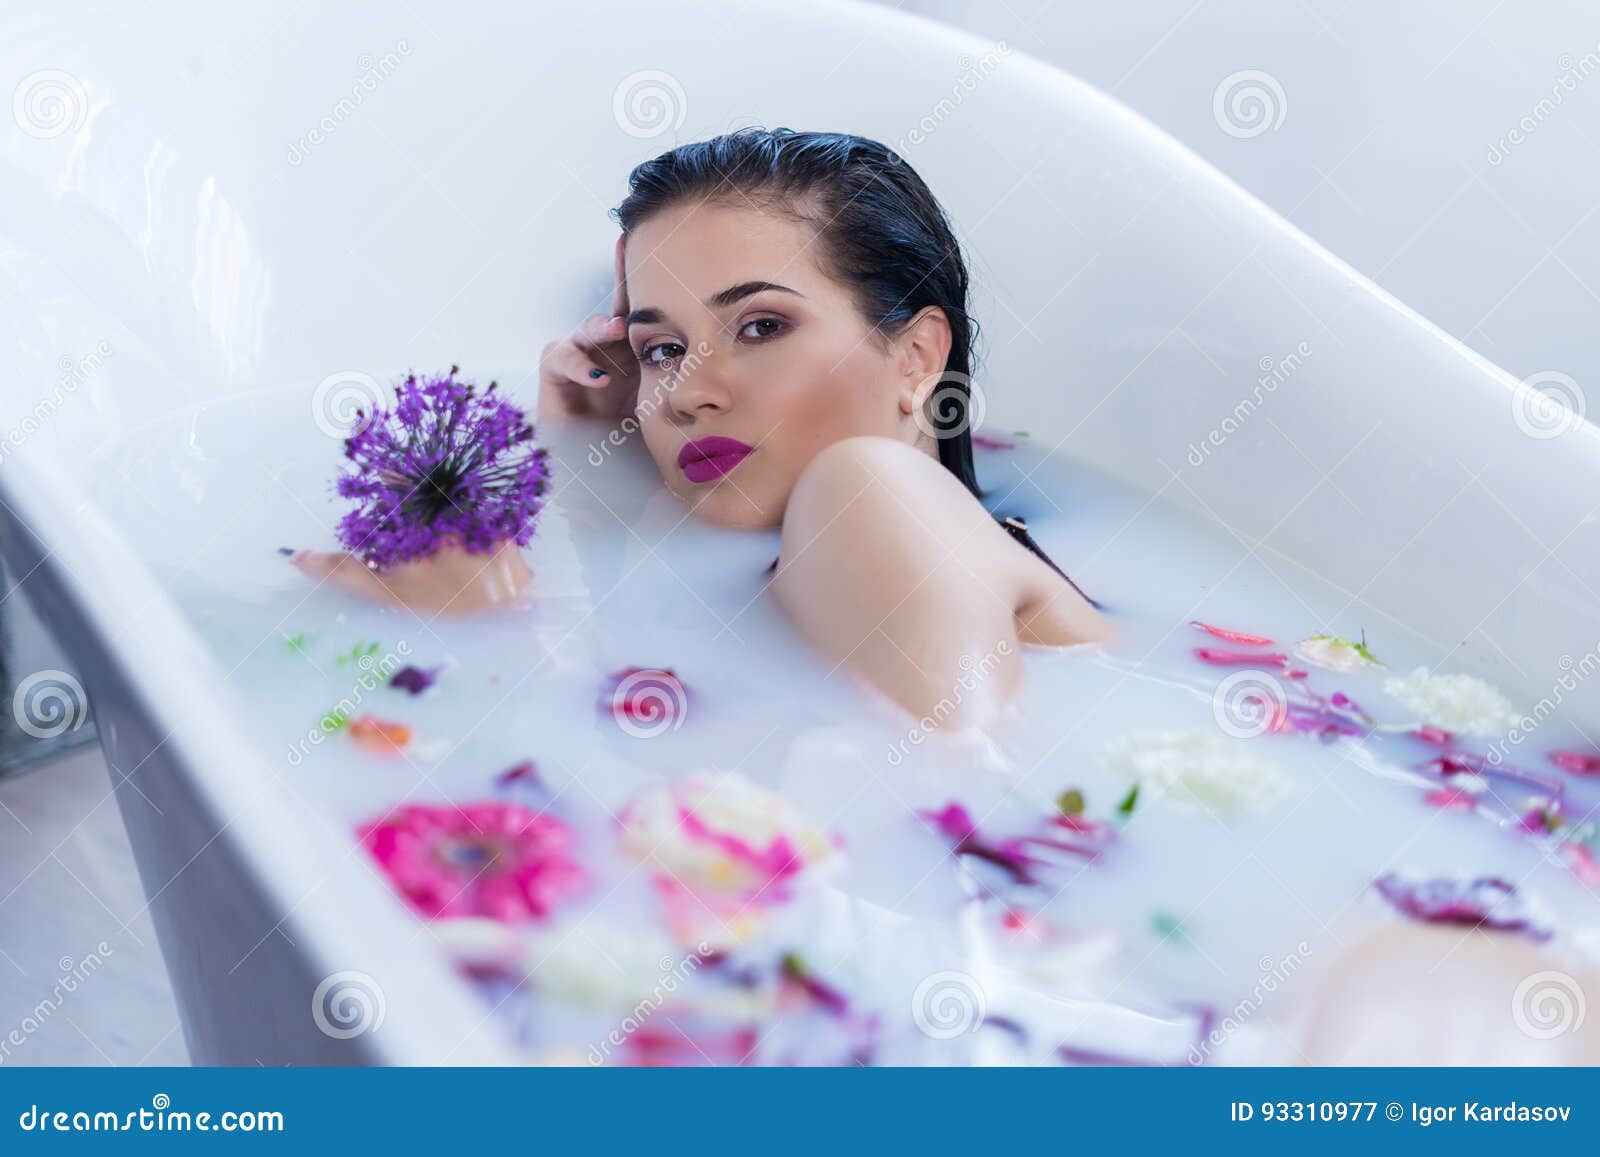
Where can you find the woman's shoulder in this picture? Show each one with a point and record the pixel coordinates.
(870, 464)
(890, 490)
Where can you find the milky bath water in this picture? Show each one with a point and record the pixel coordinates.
(1156, 859)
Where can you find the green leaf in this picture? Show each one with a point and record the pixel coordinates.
(1129, 802)
(1167, 925)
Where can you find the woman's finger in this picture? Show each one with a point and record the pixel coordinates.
(619, 292)
(601, 330)
(568, 362)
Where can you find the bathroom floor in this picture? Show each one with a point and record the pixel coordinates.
(68, 886)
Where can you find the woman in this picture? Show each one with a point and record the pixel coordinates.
(790, 327)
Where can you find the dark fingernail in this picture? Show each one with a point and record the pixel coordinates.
(286, 550)
(597, 373)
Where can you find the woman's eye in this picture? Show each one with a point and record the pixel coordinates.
(661, 354)
(761, 328)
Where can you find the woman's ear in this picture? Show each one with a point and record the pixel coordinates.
(924, 348)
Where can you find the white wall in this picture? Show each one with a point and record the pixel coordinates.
(1397, 148)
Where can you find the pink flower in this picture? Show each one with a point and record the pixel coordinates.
(498, 860)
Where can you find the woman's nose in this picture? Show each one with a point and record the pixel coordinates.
(698, 389)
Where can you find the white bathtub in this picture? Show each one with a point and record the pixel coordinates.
(211, 210)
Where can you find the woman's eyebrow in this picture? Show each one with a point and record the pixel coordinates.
(737, 293)
(730, 296)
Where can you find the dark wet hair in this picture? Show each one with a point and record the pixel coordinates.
(882, 234)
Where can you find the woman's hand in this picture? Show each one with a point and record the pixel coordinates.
(451, 580)
(593, 373)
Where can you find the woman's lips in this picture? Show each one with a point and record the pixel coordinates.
(707, 458)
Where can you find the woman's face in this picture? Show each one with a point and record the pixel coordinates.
(753, 359)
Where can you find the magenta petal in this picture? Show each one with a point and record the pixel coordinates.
(1218, 657)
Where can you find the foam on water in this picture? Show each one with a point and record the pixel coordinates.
(892, 949)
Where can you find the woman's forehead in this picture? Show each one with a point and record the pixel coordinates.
(700, 249)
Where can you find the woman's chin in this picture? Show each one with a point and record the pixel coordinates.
(736, 510)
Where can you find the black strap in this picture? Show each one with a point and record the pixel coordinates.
(1018, 529)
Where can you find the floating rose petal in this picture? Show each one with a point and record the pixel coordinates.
(1576, 762)
(415, 679)
(1017, 922)
(1220, 658)
(1450, 799)
(650, 1047)
(1486, 902)
(956, 824)
(796, 972)
(520, 773)
(1433, 736)
(1583, 864)
(379, 735)
(1458, 763)
(1232, 636)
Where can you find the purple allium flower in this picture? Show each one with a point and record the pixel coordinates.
(447, 463)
